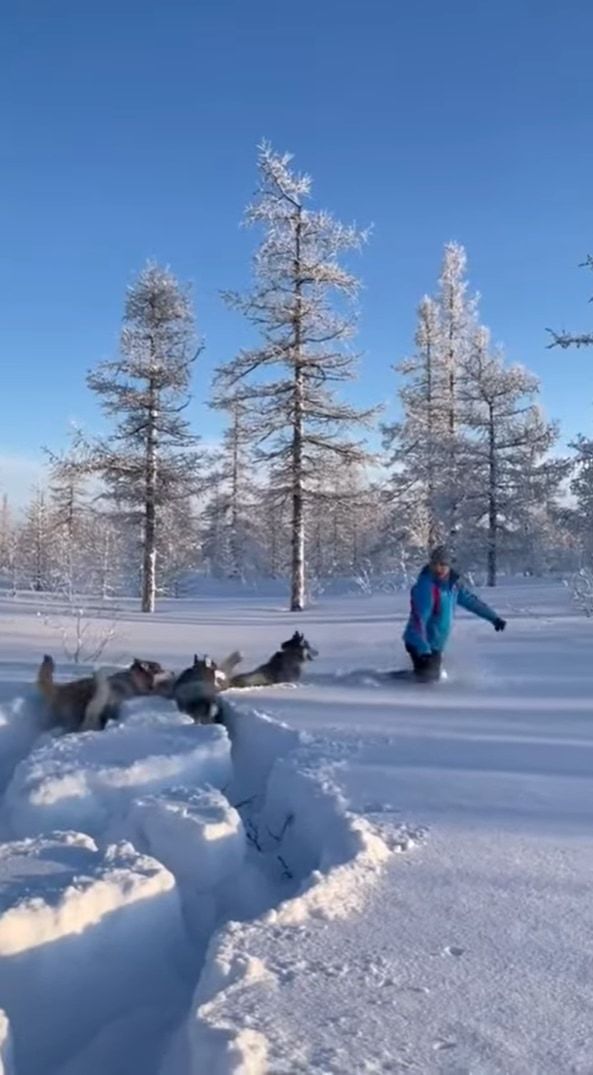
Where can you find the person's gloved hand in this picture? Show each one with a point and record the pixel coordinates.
(499, 625)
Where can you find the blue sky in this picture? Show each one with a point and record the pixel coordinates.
(129, 130)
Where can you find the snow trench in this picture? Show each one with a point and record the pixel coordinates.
(139, 864)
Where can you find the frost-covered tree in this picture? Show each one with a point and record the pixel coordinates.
(342, 523)
(581, 488)
(179, 545)
(148, 461)
(10, 534)
(509, 475)
(6, 530)
(275, 515)
(469, 455)
(112, 552)
(288, 382)
(233, 537)
(415, 443)
(36, 544)
(582, 482)
(70, 521)
(426, 447)
(457, 321)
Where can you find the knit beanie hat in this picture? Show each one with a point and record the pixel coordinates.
(439, 555)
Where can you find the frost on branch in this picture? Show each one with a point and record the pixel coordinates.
(85, 633)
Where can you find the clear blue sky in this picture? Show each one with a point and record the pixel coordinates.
(129, 130)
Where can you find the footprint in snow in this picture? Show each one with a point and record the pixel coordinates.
(453, 950)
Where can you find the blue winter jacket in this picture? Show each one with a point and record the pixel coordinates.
(432, 607)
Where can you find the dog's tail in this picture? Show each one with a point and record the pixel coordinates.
(98, 703)
(45, 678)
(225, 667)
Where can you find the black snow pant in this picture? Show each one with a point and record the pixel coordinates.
(427, 666)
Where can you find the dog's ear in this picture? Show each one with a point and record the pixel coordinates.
(196, 661)
(146, 667)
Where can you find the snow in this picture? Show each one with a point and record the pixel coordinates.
(6, 1065)
(82, 781)
(74, 921)
(361, 876)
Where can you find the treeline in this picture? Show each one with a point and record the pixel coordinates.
(294, 492)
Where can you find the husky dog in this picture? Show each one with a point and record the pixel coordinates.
(196, 692)
(89, 702)
(285, 666)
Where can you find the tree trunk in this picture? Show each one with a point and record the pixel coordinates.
(105, 559)
(433, 526)
(235, 544)
(297, 594)
(492, 504)
(452, 467)
(149, 557)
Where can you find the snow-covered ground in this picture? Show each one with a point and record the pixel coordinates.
(363, 878)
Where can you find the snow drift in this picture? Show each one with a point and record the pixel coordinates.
(75, 924)
(131, 848)
(298, 818)
(84, 781)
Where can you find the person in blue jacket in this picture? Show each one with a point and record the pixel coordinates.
(433, 598)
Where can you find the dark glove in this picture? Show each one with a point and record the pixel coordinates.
(499, 625)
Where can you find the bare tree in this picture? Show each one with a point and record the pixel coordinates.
(570, 339)
(288, 382)
(149, 461)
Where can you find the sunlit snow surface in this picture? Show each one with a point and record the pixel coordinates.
(176, 900)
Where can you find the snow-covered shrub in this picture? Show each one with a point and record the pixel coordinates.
(85, 632)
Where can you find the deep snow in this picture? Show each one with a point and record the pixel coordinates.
(470, 954)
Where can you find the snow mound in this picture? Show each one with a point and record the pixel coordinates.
(200, 838)
(85, 781)
(336, 852)
(20, 724)
(81, 933)
(196, 834)
(300, 819)
(144, 856)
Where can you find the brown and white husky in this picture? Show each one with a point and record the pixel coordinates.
(89, 702)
